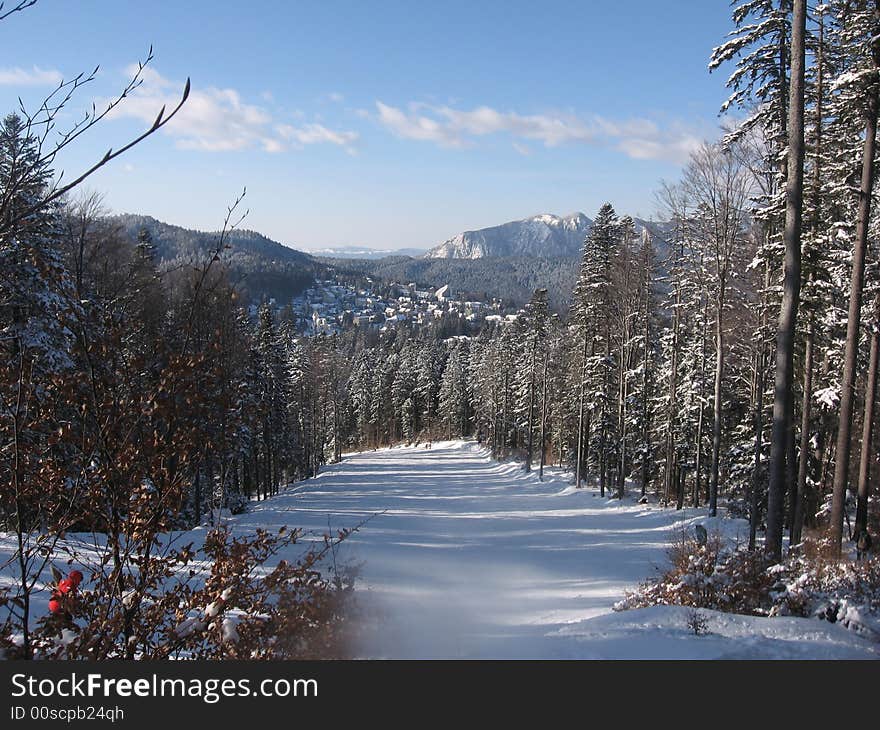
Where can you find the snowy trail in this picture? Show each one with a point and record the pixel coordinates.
(470, 558)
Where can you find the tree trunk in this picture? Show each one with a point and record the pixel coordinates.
(531, 430)
(646, 428)
(785, 335)
(543, 440)
(578, 469)
(198, 495)
(679, 491)
(797, 523)
(716, 411)
(754, 502)
(868, 427)
(847, 395)
(670, 413)
(504, 430)
(256, 470)
(698, 466)
(606, 394)
(791, 472)
(798, 519)
(560, 432)
(621, 476)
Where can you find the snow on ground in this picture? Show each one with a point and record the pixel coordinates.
(465, 557)
(661, 632)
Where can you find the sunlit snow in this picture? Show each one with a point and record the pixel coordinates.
(466, 557)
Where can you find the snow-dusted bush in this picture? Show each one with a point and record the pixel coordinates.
(730, 578)
(707, 575)
(814, 584)
(697, 622)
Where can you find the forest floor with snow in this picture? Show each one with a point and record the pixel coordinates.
(465, 557)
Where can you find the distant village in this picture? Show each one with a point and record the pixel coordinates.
(331, 306)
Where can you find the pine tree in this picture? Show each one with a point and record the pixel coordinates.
(759, 84)
(533, 326)
(35, 291)
(427, 386)
(272, 401)
(592, 312)
(626, 339)
(647, 325)
(453, 406)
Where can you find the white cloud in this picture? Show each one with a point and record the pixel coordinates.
(33, 77)
(552, 131)
(450, 127)
(629, 128)
(453, 127)
(217, 120)
(315, 134)
(643, 139)
(414, 126)
(676, 149)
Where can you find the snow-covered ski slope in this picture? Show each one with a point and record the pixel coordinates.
(468, 558)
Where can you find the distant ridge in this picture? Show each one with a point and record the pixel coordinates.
(541, 236)
(261, 267)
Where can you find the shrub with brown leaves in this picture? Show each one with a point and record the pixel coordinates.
(707, 575)
(808, 583)
(236, 607)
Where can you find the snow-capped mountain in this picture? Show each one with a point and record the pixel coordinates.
(544, 236)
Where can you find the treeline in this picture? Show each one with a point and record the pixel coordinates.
(806, 76)
(137, 399)
(120, 372)
(621, 390)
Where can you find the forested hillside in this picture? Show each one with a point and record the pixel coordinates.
(260, 267)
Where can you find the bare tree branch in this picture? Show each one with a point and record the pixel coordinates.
(41, 123)
(15, 8)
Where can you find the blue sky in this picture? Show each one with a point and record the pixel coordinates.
(386, 124)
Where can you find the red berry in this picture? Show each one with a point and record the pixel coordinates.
(55, 606)
(65, 585)
(76, 577)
